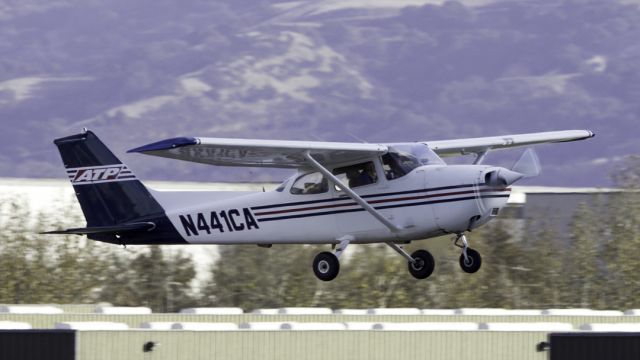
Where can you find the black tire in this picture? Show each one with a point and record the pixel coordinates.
(424, 264)
(474, 260)
(326, 266)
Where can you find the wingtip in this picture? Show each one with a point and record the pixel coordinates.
(167, 144)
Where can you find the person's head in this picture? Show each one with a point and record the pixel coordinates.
(352, 173)
(370, 168)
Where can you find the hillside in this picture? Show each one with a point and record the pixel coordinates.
(140, 71)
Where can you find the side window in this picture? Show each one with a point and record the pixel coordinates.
(312, 183)
(357, 175)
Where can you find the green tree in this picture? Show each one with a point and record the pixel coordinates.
(10, 257)
(251, 277)
(623, 287)
(154, 278)
(622, 222)
(583, 267)
(541, 277)
(372, 277)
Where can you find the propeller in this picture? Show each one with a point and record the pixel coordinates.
(528, 165)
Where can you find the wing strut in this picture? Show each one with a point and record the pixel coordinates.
(480, 155)
(370, 209)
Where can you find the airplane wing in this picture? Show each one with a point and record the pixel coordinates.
(291, 154)
(483, 144)
(259, 153)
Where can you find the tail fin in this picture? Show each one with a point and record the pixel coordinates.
(113, 200)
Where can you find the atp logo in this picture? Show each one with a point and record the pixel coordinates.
(99, 174)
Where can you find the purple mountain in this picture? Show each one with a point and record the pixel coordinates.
(140, 71)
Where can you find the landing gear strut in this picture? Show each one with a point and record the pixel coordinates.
(470, 259)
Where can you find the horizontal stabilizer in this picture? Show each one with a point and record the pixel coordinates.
(115, 229)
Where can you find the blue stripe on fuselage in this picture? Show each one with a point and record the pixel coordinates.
(310, 202)
(333, 212)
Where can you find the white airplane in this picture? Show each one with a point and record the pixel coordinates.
(342, 193)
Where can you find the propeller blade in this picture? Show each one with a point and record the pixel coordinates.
(528, 164)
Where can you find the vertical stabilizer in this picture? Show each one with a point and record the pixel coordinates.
(109, 193)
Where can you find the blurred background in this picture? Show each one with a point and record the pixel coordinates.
(363, 70)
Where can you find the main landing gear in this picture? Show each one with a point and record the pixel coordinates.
(421, 263)
(326, 265)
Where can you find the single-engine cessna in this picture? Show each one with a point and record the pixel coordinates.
(342, 193)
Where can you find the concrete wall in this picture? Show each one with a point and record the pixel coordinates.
(509, 343)
(321, 345)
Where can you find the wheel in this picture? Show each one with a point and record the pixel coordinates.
(424, 265)
(326, 266)
(474, 260)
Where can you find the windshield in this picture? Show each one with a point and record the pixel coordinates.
(421, 152)
(403, 158)
(284, 184)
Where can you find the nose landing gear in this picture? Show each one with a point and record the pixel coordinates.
(470, 259)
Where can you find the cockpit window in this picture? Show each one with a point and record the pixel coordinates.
(403, 158)
(312, 183)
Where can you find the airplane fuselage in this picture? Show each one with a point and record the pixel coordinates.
(429, 201)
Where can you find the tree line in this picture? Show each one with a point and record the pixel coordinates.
(594, 265)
